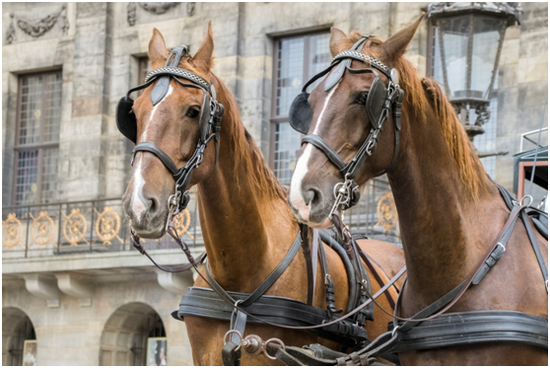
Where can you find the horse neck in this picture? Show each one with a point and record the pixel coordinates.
(445, 231)
(245, 221)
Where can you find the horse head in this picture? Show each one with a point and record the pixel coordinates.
(172, 123)
(351, 121)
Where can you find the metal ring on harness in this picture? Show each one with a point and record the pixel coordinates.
(524, 198)
(225, 341)
(275, 340)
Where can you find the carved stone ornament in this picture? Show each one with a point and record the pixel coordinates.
(191, 7)
(132, 8)
(10, 32)
(158, 8)
(42, 229)
(11, 231)
(386, 212)
(38, 27)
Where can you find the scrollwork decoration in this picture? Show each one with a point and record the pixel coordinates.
(10, 32)
(74, 227)
(107, 225)
(38, 27)
(42, 229)
(191, 7)
(182, 222)
(131, 14)
(158, 8)
(386, 212)
(11, 231)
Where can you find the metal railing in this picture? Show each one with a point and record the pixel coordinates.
(82, 227)
(532, 138)
(101, 225)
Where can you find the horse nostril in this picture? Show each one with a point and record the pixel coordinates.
(312, 196)
(153, 206)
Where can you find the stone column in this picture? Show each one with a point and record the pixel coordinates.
(80, 141)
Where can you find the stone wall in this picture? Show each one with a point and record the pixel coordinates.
(71, 334)
(523, 85)
(98, 55)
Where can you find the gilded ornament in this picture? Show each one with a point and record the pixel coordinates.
(182, 221)
(107, 225)
(11, 231)
(386, 212)
(42, 229)
(74, 227)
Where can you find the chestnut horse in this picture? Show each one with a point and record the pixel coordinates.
(449, 210)
(246, 222)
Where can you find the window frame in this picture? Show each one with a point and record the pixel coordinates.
(274, 120)
(40, 147)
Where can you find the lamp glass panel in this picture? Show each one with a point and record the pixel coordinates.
(455, 33)
(484, 52)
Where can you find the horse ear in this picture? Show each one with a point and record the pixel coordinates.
(336, 36)
(396, 45)
(157, 47)
(203, 57)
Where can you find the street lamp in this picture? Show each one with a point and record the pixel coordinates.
(470, 37)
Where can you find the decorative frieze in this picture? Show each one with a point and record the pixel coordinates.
(36, 28)
(156, 9)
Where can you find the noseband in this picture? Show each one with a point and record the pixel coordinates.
(210, 122)
(380, 101)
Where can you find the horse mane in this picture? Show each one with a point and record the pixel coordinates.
(259, 173)
(469, 166)
(248, 154)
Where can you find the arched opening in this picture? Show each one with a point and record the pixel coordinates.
(133, 335)
(18, 338)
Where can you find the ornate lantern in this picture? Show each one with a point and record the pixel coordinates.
(470, 37)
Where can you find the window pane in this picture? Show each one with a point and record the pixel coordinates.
(485, 46)
(320, 56)
(40, 108)
(289, 74)
(31, 109)
(455, 34)
(26, 191)
(52, 101)
(49, 175)
(287, 146)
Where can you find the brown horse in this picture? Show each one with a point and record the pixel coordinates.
(246, 222)
(449, 210)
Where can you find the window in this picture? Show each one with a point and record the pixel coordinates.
(297, 59)
(144, 67)
(37, 138)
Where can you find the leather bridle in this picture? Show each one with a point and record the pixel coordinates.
(347, 193)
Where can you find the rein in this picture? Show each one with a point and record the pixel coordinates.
(431, 328)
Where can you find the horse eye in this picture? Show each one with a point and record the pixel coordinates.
(193, 112)
(362, 99)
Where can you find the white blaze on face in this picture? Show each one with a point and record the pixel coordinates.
(302, 167)
(143, 137)
(138, 201)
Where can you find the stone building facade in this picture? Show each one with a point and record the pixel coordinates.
(83, 295)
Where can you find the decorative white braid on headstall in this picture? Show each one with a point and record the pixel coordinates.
(173, 71)
(359, 55)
